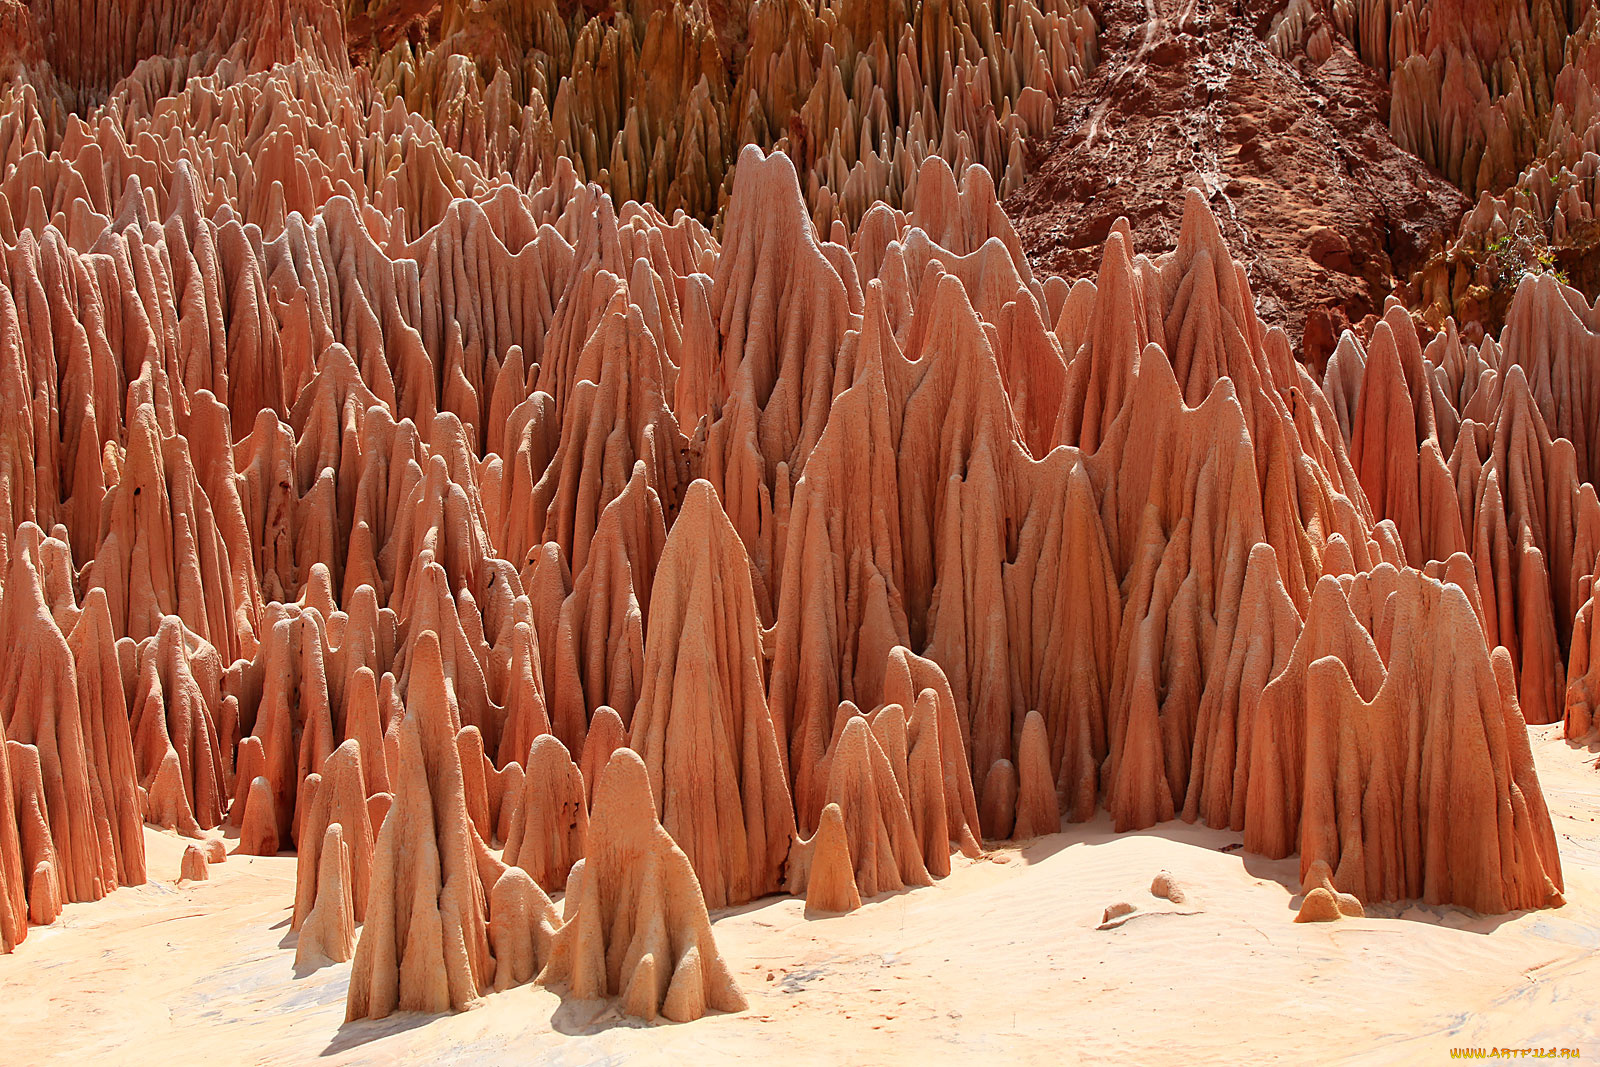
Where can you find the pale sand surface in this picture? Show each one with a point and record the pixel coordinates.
(1001, 961)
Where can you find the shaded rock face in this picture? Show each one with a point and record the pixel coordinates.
(479, 539)
(1501, 99)
(657, 101)
(1328, 215)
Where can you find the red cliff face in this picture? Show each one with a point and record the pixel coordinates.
(1287, 133)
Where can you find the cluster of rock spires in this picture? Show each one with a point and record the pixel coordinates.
(1503, 98)
(1479, 88)
(655, 101)
(485, 544)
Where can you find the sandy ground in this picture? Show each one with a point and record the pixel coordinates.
(1000, 961)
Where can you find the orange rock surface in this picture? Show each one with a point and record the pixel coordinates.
(391, 472)
(635, 924)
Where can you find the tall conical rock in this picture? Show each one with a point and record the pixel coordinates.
(424, 945)
(551, 820)
(1449, 807)
(173, 719)
(702, 726)
(336, 796)
(39, 706)
(328, 932)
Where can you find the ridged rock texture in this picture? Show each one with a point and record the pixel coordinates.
(374, 459)
(336, 796)
(865, 790)
(424, 945)
(656, 101)
(550, 819)
(328, 932)
(636, 924)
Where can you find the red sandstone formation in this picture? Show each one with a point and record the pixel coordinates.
(636, 925)
(407, 495)
(328, 931)
(13, 889)
(551, 816)
(606, 735)
(424, 945)
(292, 721)
(867, 785)
(194, 868)
(1037, 809)
(681, 90)
(938, 779)
(49, 730)
(702, 726)
(173, 721)
(600, 635)
(521, 929)
(1324, 903)
(41, 863)
(258, 829)
(830, 871)
(103, 706)
(1502, 472)
(1394, 846)
(336, 795)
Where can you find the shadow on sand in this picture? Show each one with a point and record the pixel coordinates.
(358, 1032)
(1285, 872)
